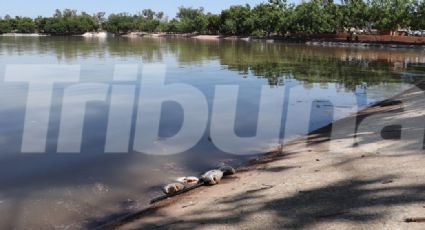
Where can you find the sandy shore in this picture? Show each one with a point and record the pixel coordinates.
(314, 42)
(22, 35)
(377, 184)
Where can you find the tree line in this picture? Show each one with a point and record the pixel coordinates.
(273, 17)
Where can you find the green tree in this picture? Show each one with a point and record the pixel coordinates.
(418, 20)
(310, 18)
(272, 17)
(237, 20)
(148, 21)
(148, 14)
(356, 13)
(172, 26)
(213, 23)
(150, 25)
(282, 4)
(100, 19)
(159, 15)
(5, 26)
(391, 14)
(228, 27)
(40, 23)
(268, 18)
(120, 23)
(55, 26)
(334, 16)
(192, 20)
(67, 22)
(24, 25)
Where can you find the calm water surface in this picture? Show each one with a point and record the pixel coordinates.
(56, 190)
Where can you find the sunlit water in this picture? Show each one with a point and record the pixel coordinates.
(59, 190)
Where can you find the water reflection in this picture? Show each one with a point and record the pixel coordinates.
(274, 62)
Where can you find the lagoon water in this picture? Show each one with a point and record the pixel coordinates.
(80, 190)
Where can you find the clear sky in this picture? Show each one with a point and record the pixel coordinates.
(33, 8)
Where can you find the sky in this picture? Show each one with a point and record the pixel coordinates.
(34, 8)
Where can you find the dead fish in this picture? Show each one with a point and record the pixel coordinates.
(212, 177)
(172, 188)
(227, 170)
(188, 180)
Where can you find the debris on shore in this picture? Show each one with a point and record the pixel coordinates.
(212, 177)
(184, 184)
(188, 180)
(415, 220)
(173, 188)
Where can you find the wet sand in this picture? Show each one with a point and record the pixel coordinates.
(377, 184)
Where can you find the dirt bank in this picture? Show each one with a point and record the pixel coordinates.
(329, 40)
(335, 40)
(22, 35)
(377, 184)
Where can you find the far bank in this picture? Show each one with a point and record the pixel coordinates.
(384, 41)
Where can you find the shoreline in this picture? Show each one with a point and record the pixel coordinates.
(314, 41)
(176, 210)
(23, 35)
(309, 41)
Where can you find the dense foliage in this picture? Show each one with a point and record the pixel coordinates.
(17, 24)
(274, 17)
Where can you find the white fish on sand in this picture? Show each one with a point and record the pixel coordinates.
(172, 188)
(188, 180)
(212, 177)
